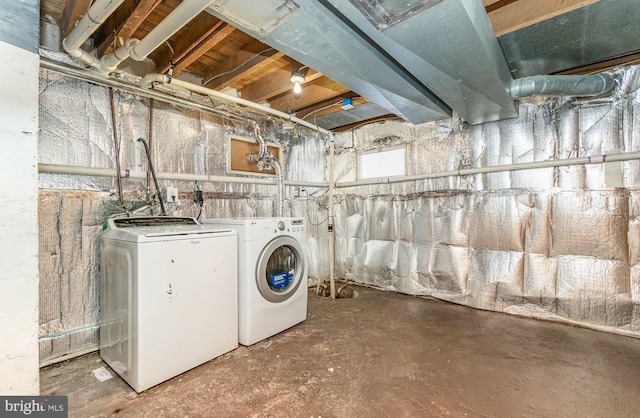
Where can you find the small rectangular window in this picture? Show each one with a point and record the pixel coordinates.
(384, 163)
(240, 148)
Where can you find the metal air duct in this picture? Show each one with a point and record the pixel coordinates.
(311, 33)
(415, 58)
(562, 85)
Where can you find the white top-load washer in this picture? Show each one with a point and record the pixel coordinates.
(272, 275)
(168, 296)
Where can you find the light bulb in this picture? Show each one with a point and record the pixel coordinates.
(297, 88)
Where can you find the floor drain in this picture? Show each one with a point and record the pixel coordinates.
(342, 292)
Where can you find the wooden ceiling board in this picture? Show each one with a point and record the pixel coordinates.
(52, 9)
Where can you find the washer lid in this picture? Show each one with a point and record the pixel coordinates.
(159, 228)
(140, 221)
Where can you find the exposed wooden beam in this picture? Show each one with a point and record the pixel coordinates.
(523, 13)
(211, 41)
(354, 125)
(604, 65)
(492, 5)
(113, 27)
(273, 84)
(123, 24)
(322, 89)
(74, 10)
(331, 106)
(238, 66)
(192, 35)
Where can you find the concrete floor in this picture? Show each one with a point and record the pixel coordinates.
(385, 355)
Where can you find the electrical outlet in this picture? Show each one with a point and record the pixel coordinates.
(171, 195)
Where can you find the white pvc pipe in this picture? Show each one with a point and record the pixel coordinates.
(96, 15)
(595, 159)
(280, 183)
(179, 17)
(332, 281)
(109, 172)
(110, 62)
(139, 50)
(99, 11)
(243, 102)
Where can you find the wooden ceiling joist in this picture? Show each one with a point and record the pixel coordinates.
(519, 14)
(492, 5)
(74, 10)
(322, 90)
(274, 84)
(211, 41)
(123, 24)
(200, 29)
(250, 59)
(333, 106)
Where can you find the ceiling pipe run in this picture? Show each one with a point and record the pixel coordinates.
(562, 85)
(142, 175)
(592, 159)
(134, 48)
(160, 78)
(96, 15)
(139, 50)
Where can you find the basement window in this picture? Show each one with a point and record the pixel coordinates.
(239, 150)
(383, 163)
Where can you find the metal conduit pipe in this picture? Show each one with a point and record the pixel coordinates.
(331, 163)
(265, 161)
(562, 85)
(225, 97)
(595, 159)
(109, 172)
(116, 144)
(280, 182)
(105, 80)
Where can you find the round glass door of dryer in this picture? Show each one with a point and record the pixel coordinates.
(281, 269)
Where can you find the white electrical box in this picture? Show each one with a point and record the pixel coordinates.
(171, 195)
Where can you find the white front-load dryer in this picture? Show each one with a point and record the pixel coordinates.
(272, 275)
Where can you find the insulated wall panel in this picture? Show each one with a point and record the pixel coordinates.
(76, 129)
(590, 224)
(555, 243)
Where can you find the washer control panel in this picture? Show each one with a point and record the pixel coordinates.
(289, 225)
(297, 225)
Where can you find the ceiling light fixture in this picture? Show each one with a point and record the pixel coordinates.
(297, 78)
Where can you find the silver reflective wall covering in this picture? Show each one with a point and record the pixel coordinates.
(76, 129)
(555, 243)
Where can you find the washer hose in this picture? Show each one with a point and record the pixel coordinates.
(153, 174)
